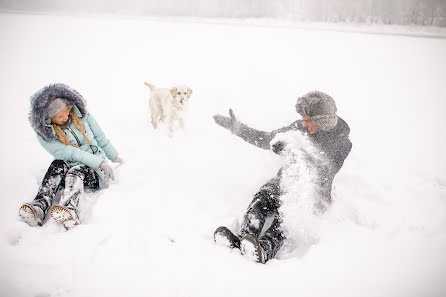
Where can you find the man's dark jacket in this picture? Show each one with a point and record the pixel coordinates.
(334, 143)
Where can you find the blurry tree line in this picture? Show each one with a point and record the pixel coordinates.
(404, 12)
(418, 12)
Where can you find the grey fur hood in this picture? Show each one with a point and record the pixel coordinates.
(42, 98)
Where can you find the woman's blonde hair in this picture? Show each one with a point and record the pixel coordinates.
(64, 137)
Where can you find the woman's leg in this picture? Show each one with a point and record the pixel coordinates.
(75, 180)
(34, 213)
(50, 184)
(67, 210)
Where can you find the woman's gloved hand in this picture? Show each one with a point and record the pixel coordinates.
(118, 160)
(108, 174)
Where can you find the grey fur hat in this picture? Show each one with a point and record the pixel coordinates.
(320, 107)
(55, 106)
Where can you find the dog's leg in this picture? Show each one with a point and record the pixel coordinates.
(154, 122)
(154, 114)
(181, 121)
(171, 127)
(171, 121)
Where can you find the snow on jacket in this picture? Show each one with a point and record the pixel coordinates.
(334, 143)
(91, 155)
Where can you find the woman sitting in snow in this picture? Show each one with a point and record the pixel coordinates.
(68, 132)
(328, 135)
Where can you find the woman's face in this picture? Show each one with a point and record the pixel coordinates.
(61, 117)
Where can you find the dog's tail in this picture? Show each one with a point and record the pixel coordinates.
(152, 87)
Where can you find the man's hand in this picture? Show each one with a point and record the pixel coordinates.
(278, 147)
(226, 122)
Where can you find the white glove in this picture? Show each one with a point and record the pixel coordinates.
(118, 160)
(108, 174)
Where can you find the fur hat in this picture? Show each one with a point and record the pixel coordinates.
(320, 107)
(55, 106)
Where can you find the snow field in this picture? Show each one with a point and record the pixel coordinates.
(150, 233)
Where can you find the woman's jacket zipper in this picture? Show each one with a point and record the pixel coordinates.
(75, 136)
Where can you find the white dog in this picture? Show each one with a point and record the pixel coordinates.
(168, 104)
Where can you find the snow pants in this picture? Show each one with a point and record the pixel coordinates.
(265, 204)
(73, 178)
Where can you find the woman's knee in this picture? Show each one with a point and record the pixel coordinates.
(59, 163)
(76, 171)
(58, 167)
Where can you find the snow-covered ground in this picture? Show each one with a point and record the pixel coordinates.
(150, 233)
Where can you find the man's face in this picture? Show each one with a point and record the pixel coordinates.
(310, 125)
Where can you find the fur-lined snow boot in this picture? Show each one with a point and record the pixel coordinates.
(65, 216)
(32, 215)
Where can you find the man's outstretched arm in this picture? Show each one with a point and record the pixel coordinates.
(255, 137)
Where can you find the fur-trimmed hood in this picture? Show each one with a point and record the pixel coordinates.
(42, 98)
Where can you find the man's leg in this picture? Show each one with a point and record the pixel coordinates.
(265, 202)
(272, 240)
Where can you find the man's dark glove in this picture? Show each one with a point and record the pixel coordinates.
(226, 122)
(278, 147)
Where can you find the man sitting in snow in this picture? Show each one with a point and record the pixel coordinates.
(328, 134)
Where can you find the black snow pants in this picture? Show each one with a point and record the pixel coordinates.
(73, 178)
(265, 204)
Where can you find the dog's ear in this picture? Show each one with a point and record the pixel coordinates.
(189, 92)
(173, 91)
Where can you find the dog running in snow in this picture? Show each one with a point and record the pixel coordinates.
(168, 105)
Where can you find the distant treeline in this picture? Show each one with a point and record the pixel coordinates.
(403, 12)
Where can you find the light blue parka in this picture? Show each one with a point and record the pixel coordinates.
(91, 155)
